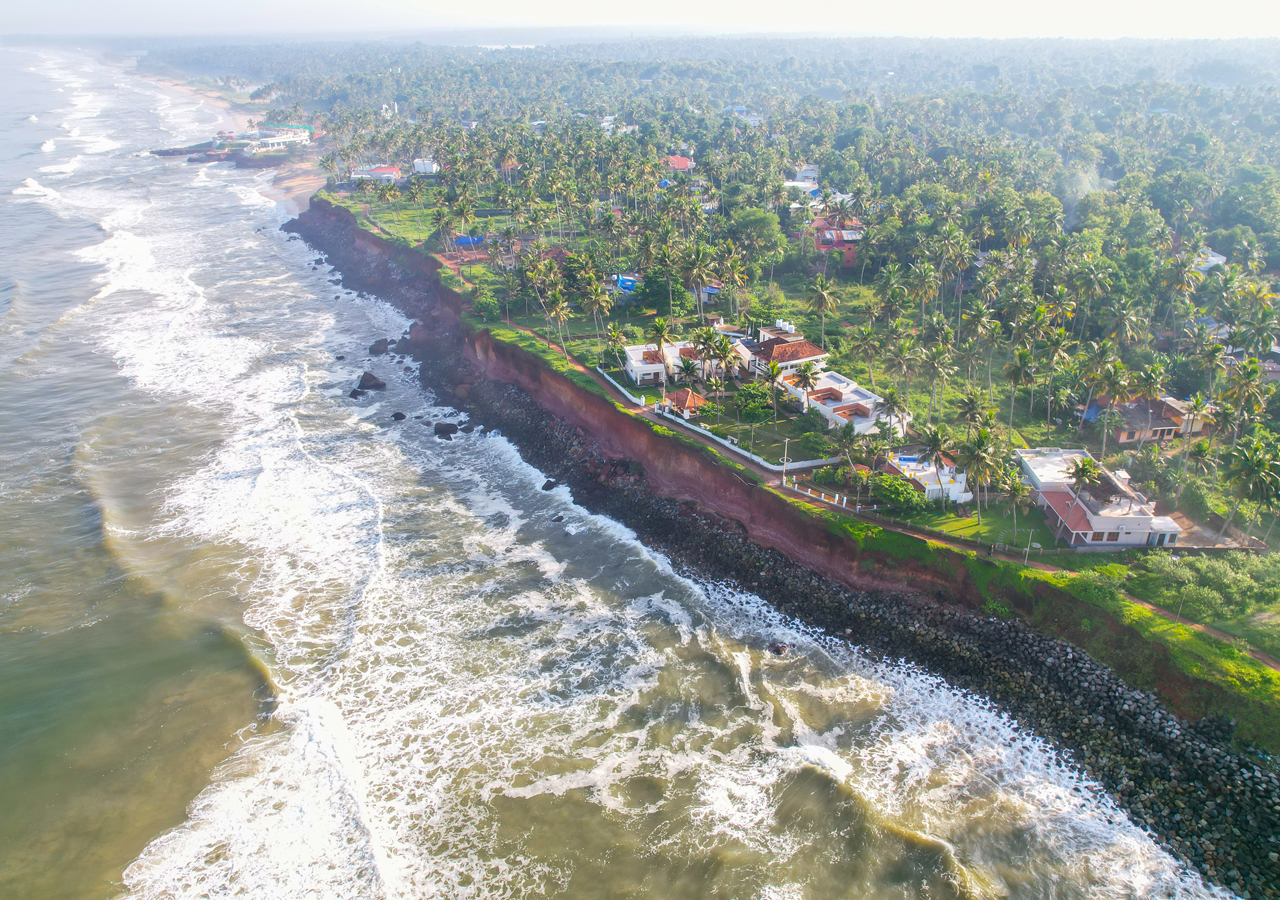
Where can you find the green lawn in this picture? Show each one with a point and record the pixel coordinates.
(996, 526)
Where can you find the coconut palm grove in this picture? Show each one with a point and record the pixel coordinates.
(1012, 248)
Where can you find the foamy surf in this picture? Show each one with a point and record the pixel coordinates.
(476, 700)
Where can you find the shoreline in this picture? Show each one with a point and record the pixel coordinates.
(1207, 804)
(293, 184)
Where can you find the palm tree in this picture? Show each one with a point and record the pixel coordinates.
(697, 266)
(1093, 359)
(822, 300)
(806, 378)
(1149, 385)
(1019, 494)
(615, 341)
(935, 443)
(1252, 469)
(936, 365)
(1021, 370)
(893, 406)
(660, 335)
(1057, 347)
(1084, 472)
(1198, 408)
(972, 409)
(901, 359)
(980, 456)
(865, 344)
(688, 370)
(1108, 421)
(1114, 381)
(559, 311)
(775, 375)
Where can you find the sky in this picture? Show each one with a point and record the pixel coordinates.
(926, 18)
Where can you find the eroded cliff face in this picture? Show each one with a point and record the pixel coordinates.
(675, 469)
(368, 263)
(713, 522)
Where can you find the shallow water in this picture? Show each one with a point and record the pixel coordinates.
(259, 640)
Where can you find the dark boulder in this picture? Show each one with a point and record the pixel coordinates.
(341, 357)
(371, 382)
(398, 416)
(446, 430)
(356, 393)
(549, 484)
(379, 347)
(468, 428)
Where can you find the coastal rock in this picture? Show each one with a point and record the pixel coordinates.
(468, 428)
(340, 357)
(446, 430)
(379, 347)
(371, 382)
(356, 393)
(549, 484)
(398, 416)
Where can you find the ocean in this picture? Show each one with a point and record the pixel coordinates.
(261, 640)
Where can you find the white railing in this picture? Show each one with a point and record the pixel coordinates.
(626, 393)
(808, 463)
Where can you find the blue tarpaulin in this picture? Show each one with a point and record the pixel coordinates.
(664, 183)
(468, 241)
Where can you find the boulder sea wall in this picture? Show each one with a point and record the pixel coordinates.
(1215, 808)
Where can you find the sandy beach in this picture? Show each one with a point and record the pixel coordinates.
(294, 183)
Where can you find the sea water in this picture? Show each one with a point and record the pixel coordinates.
(260, 640)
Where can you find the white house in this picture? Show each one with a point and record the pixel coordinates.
(808, 173)
(379, 174)
(782, 344)
(427, 166)
(644, 364)
(1108, 515)
(842, 401)
(946, 478)
(276, 141)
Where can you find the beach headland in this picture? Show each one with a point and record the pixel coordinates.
(293, 183)
(1209, 804)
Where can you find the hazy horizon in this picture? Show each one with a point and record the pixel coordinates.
(425, 19)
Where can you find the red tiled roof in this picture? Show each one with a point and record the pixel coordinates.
(689, 353)
(781, 350)
(679, 162)
(1064, 505)
(652, 357)
(686, 399)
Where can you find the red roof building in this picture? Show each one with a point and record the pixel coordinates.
(789, 352)
(686, 402)
(679, 163)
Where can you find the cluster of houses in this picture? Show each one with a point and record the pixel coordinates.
(268, 138)
(1105, 515)
(839, 399)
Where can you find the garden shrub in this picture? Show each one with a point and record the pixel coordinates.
(814, 445)
(896, 491)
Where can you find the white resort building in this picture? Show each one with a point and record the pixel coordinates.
(842, 401)
(1105, 516)
(946, 478)
(645, 366)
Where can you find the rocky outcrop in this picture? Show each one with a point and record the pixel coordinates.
(371, 382)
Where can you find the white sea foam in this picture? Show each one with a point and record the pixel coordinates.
(455, 667)
(48, 146)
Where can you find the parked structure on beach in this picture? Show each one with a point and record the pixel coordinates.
(1104, 515)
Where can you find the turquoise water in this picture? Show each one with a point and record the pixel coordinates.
(260, 640)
